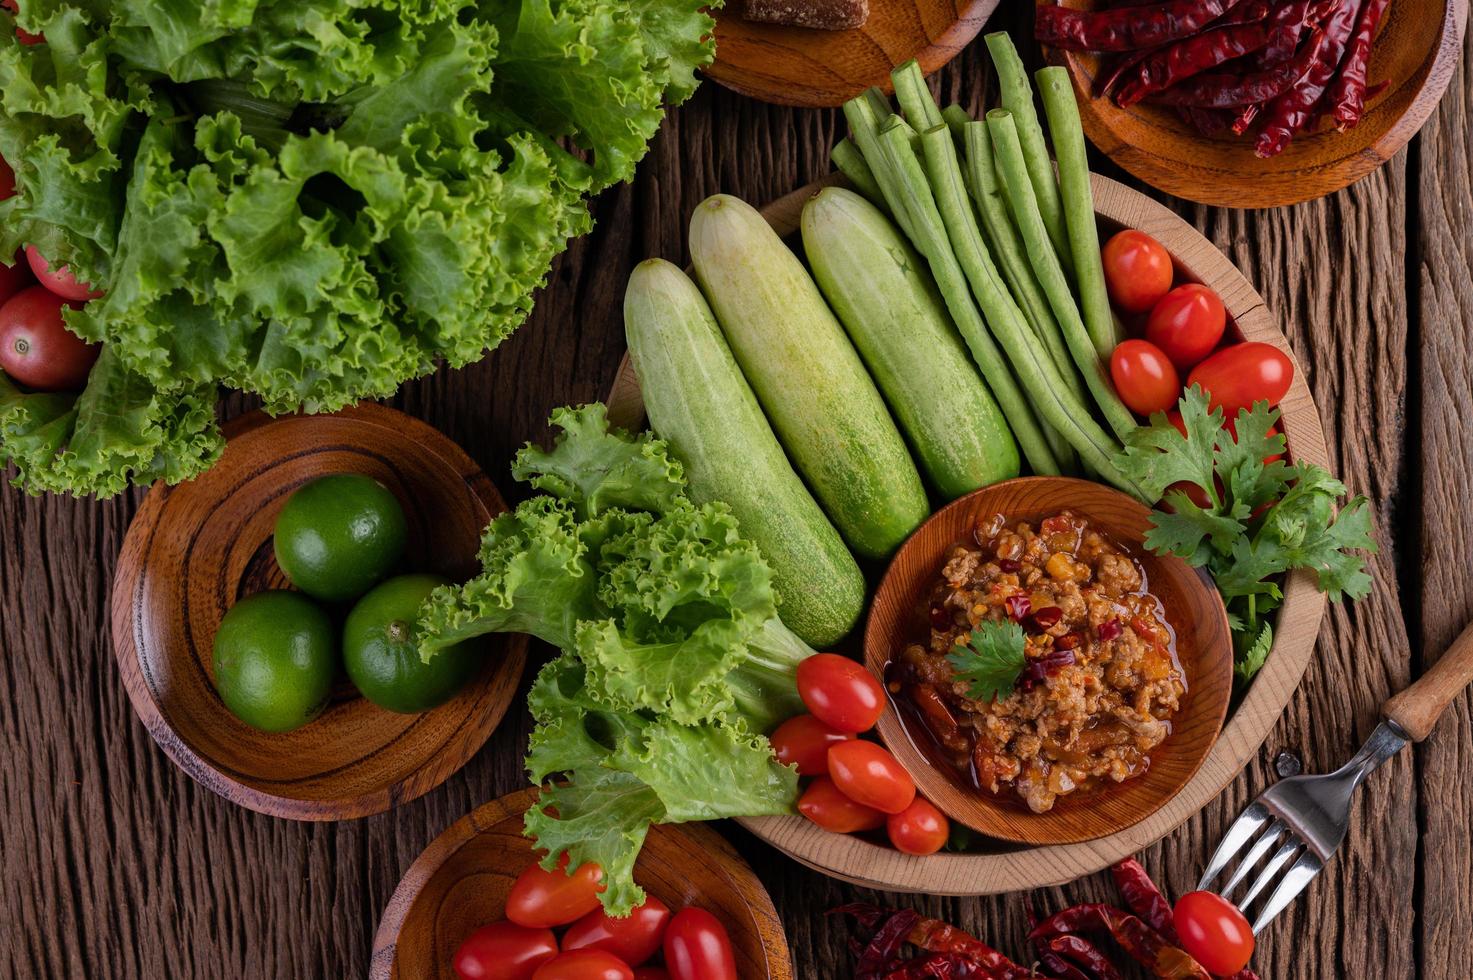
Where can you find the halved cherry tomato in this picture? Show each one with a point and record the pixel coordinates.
(824, 804)
(1187, 324)
(36, 348)
(504, 951)
(698, 948)
(60, 279)
(867, 773)
(1138, 270)
(651, 973)
(1237, 376)
(840, 692)
(25, 37)
(541, 899)
(918, 829)
(585, 964)
(804, 741)
(634, 938)
(1144, 377)
(1213, 932)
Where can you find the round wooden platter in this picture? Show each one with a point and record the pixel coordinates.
(805, 67)
(195, 549)
(1011, 867)
(462, 879)
(1417, 50)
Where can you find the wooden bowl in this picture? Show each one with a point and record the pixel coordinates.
(1194, 610)
(1010, 866)
(1417, 51)
(462, 879)
(804, 67)
(195, 549)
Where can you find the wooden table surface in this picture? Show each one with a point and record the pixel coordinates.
(116, 865)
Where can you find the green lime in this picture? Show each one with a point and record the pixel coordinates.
(275, 660)
(382, 655)
(338, 535)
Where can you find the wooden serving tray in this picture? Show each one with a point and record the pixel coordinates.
(1014, 867)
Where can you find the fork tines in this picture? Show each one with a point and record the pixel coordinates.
(1260, 831)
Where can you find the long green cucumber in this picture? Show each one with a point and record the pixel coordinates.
(807, 377)
(698, 401)
(888, 303)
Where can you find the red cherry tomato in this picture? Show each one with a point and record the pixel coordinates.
(585, 964)
(7, 180)
(1138, 270)
(504, 951)
(1214, 932)
(824, 804)
(1187, 324)
(1144, 377)
(804, 741)
(634, 938)
(651, 973)
(37, 349)
(868, 774)
(840, 692)
(14, 278)
(1237, 376)
(918, 829)
(59, 280)
(26, 37)
(697, 947)
(541, 899)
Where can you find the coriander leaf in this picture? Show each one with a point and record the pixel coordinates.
(1187, 530)
(1252, 648)
(991, 660)
(1239, 459)
(1158, 455)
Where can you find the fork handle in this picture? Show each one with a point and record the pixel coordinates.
(1417, 708)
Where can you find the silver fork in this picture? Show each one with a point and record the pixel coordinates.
(1298, 822)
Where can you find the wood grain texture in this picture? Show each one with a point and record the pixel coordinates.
(462, 880)
(113, 863)
(799, 66)
(195, 550)
(1417, 51)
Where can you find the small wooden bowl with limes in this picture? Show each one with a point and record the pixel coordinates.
(197, 550)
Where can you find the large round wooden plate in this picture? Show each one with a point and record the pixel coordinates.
(1417, 51)
(1013, 867)
(462, 879)
(194, 549)
(804, 67)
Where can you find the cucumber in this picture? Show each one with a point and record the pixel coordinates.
(879, 288)
(701, 405)
(807, 377)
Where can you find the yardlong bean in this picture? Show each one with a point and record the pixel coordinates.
(849, 160)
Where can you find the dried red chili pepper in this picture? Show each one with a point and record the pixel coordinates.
(883, 950)
(1286, 24)
(1086, 954)
(1191, 56)
(1143, 897)
(1208, 122)
(1045, 618)
(1292, 112)
(1144, 944)
(1220, 91)
(1245, 117)
(941, 966)
(936, 936)
(1061, 969)
(1109, 630)
(1018, 606)
(1346, 98)
(1126, 28)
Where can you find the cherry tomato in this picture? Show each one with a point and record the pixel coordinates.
(59, 280)
(840, 692)
(541, 899)
(1138, 270)
(804, 741)
(7, 180)
(651, 973)
(634, 938)
(697, 947)
(1214, 932)
(14, 278)
(37, 349)
(918, 829)
(1187, 324)
(585, 964)
(867, 773)
(1237, 376)
(1144, 377)
(824, 804)
(504, 951)
(26, 37)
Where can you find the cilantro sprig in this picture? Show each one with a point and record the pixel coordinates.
(1261, 519)
(990, 660)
